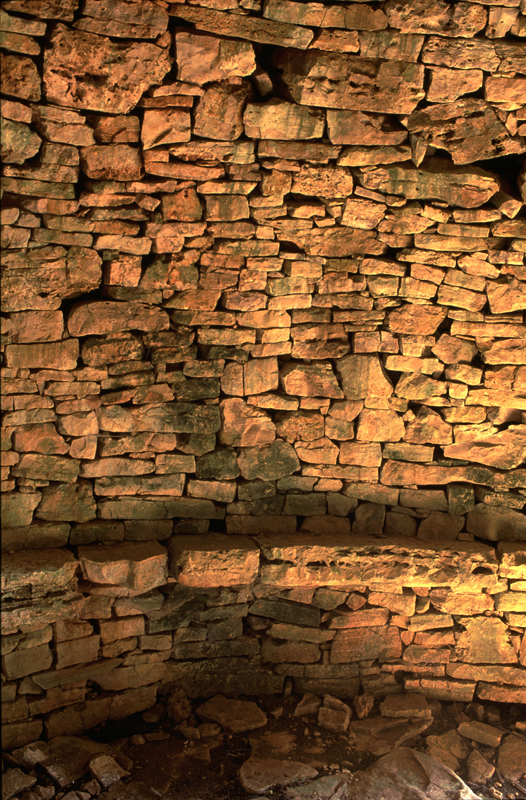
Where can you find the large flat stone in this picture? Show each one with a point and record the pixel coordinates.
(405, 774)
(215, 560)
(83, 70)
(234, 716)
(334, 80)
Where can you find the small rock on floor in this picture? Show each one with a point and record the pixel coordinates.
(405, 774)
(15, 782)
(260, 775)
(106, 770)
(512, 757)
(234, 716)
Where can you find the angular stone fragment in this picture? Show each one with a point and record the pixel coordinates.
(468, 129)
(202, 59)
(18, 142)
(496, 523)
(219, 112)
(452, 349)
(485, 641)
(165, 126)
(17, 508)
(448, 85)
(69, 502)
(41, 278)
(504, 450)
(326, 182)
(162, 418)
(331, 80)
(259, 775)
(137, 566)
(52, 355)
(20, 77)
(268, 462)
(362, 376)
(214, 561)
(511, 757)
(310, 380)
(112, 162)
(277, 119)
(505, 298)
(341, 242)
(378, 425)
(234, 716)
(415, 319)
(358, 128)
(243, 425)
(49, 9)
(409, 773)
(138, 18)
(251, 28)
(123, 71)
(436, 180)
(473, 54)
(365, 643)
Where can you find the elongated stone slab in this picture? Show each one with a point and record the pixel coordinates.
(105, 316)
(257, 30)
(436, 16)
(334, 80)
(165, 418)
(367, 560)
(437, 179)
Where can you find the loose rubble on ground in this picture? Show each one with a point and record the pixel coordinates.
(283, 748)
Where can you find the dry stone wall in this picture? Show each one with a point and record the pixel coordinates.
(99, 637)
(263, 272)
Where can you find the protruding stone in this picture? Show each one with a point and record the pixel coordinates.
(138, 566)
(213, 561)
(20, 77)
(18, 142)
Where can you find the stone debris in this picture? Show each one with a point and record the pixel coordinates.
(302, 757)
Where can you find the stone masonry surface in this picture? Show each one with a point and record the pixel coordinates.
(263, 351)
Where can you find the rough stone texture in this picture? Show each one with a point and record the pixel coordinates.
(123, 72)
(262, 272)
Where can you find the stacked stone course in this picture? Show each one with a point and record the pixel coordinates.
(263, 272)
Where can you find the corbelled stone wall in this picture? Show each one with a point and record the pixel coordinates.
(263, 273)
(237, 615)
